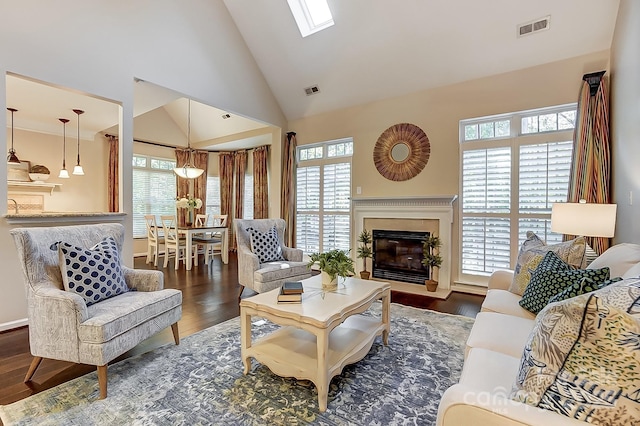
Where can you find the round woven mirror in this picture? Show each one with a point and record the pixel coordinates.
(401, 152)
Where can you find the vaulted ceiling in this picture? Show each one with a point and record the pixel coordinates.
(377, 49)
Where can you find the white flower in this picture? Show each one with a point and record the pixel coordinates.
(188, 202)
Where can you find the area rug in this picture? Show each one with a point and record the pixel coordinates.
(200, 382)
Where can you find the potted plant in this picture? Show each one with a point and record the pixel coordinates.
(432, 259)
(364, 252)
(333, 264)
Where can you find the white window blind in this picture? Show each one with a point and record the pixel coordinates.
(154, 190)
(248, 197)
(213, 195)
(323, 197)
(514, 167)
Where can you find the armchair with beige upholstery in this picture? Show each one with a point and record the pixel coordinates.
(63, 326)
(261, 277)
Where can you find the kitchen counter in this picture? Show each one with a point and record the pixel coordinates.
(68, 218)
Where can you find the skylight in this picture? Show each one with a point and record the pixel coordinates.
(311, 15)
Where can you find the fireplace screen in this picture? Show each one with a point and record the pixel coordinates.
(397, 256)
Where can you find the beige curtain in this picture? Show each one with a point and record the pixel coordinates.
(182, 184)
(288, 200)
(226, 190)
(260, 183)
(201, 161)
(113, 188)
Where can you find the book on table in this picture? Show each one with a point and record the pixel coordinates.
(292, 287)
(289, 298)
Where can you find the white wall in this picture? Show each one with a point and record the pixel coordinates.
(99, 47)
(625, 120)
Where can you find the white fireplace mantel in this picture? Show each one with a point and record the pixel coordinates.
(436, 207)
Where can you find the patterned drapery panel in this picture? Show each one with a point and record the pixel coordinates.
(226, 189)
(113, 173)
(260, 183)
(288, 200)
(240, 170)
(182, 184)
(591, 163)
(201, 161)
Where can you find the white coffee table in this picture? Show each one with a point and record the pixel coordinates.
(319, 336)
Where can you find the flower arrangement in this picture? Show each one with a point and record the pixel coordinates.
(188, 202)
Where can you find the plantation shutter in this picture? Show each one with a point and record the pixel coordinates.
(248, 197)
(154, 191)
(336, 204)
(213, 195)
(486, 198)
(308, 209)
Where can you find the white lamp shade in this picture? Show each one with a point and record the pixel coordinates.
(78, 170)
(188, 172)
(64, 174)
(584, 219)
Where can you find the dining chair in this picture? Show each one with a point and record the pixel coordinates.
(211, 241)
(154, 240)
(172, 241)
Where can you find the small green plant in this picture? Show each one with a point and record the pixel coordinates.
(335, 263)
(364, 251)
(431, 251)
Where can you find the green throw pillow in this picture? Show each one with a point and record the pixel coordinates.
(546, 282)
(586, 285)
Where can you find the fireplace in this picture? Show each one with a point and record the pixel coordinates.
(397, 256)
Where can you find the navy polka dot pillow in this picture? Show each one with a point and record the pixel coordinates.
(266, 246)
(94, 273)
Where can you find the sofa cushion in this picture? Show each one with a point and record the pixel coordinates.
(505, 302)
(274, 271)
(266, 245)
(634, 272)
(532, 252)
(555, 333)
(585, 285)
(489, 371)
(500, 333)
(546, 283)
(94, 273)
(117, 315)
(619, 258)
(600, 378)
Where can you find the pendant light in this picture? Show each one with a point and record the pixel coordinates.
(77, 170)
(188, 171)
(12, 158)
(64, 174)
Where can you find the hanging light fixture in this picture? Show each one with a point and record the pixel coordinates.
(12, 158)
(77, 170)
(64, 174)
(188, 171)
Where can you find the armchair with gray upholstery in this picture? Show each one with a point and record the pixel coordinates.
(63, 326)
(261, 277)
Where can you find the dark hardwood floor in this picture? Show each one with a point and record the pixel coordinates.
(210, 296)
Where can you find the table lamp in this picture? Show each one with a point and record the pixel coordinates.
(584, 219)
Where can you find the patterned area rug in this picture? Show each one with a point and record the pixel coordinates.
(200, 382)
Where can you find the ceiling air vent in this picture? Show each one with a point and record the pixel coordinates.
(225, 116)
(534, 26)
(311, 90)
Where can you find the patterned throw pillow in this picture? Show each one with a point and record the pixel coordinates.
(266, 246)
(533, 250)
(94, 273)
(599, 381)
(546, 283)
(586, 285)
(557, 329)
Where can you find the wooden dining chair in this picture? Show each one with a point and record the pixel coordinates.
(172, 241)
(211, 241)
(154, 240)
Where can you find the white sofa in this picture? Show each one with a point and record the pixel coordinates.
(494, 350)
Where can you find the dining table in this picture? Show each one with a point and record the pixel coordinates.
(190, 231)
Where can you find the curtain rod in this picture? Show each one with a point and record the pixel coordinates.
(163, 145)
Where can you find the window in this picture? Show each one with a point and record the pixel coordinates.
(213, 196)
(514, 167)
(323, 196)
(311, 15)
(154, 190)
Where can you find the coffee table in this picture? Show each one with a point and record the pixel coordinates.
(319, 336)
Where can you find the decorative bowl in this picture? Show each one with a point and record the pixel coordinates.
(39, 177)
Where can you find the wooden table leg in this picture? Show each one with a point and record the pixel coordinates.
(386, 304)
(322, 380)
(245, 338)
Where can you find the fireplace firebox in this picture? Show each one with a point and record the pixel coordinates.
(397, 256)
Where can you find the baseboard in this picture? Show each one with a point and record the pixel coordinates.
(469, 288)
(14, 324)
